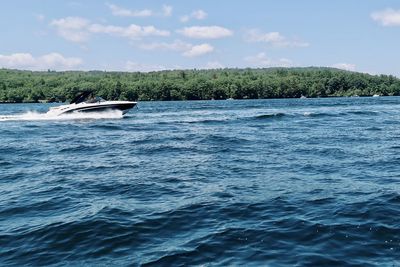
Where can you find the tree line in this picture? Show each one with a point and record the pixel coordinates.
(30, 86)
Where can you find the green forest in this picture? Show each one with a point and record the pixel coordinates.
(30, 86)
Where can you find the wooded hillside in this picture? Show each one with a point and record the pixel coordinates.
(28, 86)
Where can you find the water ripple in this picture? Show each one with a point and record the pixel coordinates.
(209, 183)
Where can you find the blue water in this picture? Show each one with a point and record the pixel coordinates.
(306, 182)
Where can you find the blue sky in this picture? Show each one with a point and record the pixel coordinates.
(358, 35)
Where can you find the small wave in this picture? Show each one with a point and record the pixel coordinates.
(318, 114)
(333, 114)
(362, 112)
(223, 142)
(374, 129)
(36, 116)
(78, 148)
(5, 163)
(269, 116)
(107, 127)
(207, 121)
(168, 149)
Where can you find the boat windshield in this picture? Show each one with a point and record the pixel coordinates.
(86, 97)
(96, 99)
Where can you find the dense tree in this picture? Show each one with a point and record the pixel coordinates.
(28, 86)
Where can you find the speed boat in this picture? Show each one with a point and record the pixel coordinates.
(87, 102)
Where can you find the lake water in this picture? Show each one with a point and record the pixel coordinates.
(306, 182)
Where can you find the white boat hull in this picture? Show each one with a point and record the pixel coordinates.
(123, 106)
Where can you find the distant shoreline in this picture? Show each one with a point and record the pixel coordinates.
(218, 84)
(364, 96)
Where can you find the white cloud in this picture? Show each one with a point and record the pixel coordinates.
(185, 18)
(78, 30)
(197, 14)
(135, 66)
(345, 66)
(261, 60)
(273, 38)
(167, 11)
(199, 50)
(177, 45)
(123, 12)
(270, 37)
(16, 60)
(72, 28)
(40, 17)
(205, 32)
(214, 65)
(48, 61)
(387, 17)
(132, 31)
(186, 49)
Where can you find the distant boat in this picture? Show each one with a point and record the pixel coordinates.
(375, 95)
(230, 98)
(302, 97)
(86, 102)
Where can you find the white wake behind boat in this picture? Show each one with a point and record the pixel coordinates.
(85, 102)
